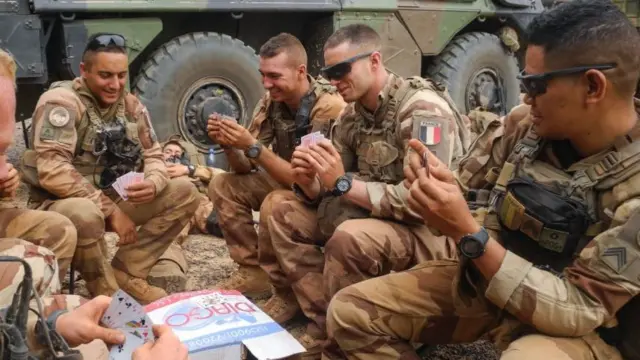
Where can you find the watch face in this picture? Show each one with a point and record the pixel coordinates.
(253, 152)
(470, 246)
(342, 185)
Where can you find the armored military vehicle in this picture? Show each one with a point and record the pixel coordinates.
(189, 58)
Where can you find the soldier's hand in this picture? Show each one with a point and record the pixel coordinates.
(122, 225)
(303, 173)
(141, 192)
(438, 199)
(416, 155)
(81, 325)
(176, 170)
(166, 347)
(9, 185)
(236, 135)
(326, 161)
(213, 128)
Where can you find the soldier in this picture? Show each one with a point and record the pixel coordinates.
(549, 264)
(329, 240)
(85, 134)
(169, 272)
(294, 105)
(51, 230)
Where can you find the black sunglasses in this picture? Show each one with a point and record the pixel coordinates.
(106, 40)
(341, 69)
(536, 84)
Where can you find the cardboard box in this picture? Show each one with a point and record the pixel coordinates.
(221, 325)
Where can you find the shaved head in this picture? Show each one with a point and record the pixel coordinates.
(358, 35)
(285, 43)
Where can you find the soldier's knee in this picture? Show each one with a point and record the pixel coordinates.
(274, 198)
(59, 231)
(348, 239)
(42, 261)
(182, 191)
(85, 215)
(344, 311)
(219, 184)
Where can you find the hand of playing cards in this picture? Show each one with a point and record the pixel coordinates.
(128, 316)
(311, 139)
(125, 180)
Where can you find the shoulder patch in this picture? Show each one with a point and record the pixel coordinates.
(59, 116)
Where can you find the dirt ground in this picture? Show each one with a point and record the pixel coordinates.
(209, 263)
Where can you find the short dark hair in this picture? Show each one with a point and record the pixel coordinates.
(284, 42)
(587, 32)
(356, 34)
(110, 48)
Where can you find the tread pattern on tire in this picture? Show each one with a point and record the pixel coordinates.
(169, 50)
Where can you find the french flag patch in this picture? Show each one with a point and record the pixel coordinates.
(430, 133)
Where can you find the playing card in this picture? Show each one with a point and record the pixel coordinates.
(126, 349)
(306, 140)
(138, 177)
(112, 315)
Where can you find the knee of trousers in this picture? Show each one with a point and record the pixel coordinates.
(346, 311)
(59, 233)
(87, 218)
(348, 242)
(282, 220)
(221, 183)
(273, 199)
(183, 193)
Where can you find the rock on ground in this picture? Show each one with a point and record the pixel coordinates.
(209, 263)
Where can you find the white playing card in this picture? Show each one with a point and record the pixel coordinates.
(306, 140)
(126, 349)
(138, 177)
(112, 315)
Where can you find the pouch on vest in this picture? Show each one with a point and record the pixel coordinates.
(540, 223)
(333, 211)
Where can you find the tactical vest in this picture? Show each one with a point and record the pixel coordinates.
(547, 216)
(84, 161)
(380, 150)
(287, 131)
(380, 153)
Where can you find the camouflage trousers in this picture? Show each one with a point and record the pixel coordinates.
(173, 262)
(380, 318)
(358, 250)
(160, 221)
(234, 197)
(50, 230)
(46, 281)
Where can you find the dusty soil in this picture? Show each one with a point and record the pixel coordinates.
(209, 263)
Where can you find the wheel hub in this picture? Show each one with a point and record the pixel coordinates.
(485, 90)
(202, 99)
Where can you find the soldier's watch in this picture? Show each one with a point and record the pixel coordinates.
(473, 246)
(192, 170)
(254, 150)
(342, 186)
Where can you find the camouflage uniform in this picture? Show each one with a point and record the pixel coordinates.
(236, 195)
(50, 230)
(169, 272)
(547, 300)
(45, 280)
(63, 174)
(374, 147)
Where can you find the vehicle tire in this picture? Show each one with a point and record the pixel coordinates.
(194, 75)
(478, 71)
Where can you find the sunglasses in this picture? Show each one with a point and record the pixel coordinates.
(106, 40)
(536, 84)
(341, 69)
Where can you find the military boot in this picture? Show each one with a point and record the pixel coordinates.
(105, 285)
(251, 281)
(312, 345)
(139, 288)
(168, 275)
(282, 306)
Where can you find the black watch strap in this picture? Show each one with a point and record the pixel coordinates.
(192, 170)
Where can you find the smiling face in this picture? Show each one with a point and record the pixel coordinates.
(351, 69)
(172, 150)
(105, 74)
(280, 77)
